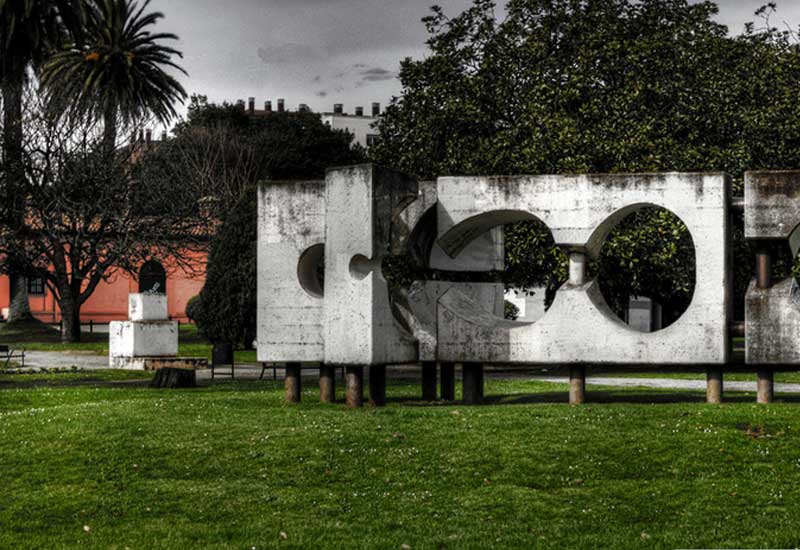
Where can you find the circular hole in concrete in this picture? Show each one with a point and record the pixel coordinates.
(311, 270)
(361, 266)
(646, 269)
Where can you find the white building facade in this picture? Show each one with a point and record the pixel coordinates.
(361, 125)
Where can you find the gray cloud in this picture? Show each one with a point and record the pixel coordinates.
(348, 50)
(288, 53)
(376, 74)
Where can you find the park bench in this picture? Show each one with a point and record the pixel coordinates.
(8, 353)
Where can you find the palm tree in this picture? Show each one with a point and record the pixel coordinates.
(119, 70)
(29, 30)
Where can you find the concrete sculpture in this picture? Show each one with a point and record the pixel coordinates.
(148, 340)
(355, 218)
(147, 336)
(772, 309)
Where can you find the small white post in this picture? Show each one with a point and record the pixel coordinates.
(577, 268)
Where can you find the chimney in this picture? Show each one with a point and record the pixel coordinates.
(280, 105)
(148, 136)
(359, 111)
(376, 109)
(141, 136)
(338, 108)
(240, 104)
(268, 106)
(251, 105)
(303, 108)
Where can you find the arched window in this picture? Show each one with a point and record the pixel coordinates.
(152, 278)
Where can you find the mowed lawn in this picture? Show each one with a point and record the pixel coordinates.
(101, 464)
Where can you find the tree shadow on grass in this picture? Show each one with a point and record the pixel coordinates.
(629, 396)
(406, 387)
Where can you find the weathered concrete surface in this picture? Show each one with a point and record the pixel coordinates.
(580, 211)
(423, 299)
(772, 324)
(291, 221)
(128, 339)
(147, 307)
(772, 206)
(417, 237)
(147, 335)
(772, 315)
(363, 204)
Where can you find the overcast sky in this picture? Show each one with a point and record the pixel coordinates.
(322, 52)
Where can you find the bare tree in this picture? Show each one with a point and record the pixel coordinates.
(91, 212)
(217, 164)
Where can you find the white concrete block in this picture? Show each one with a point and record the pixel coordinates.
(364, 204)
(772, 324)
(291, 227)
(147, 307)
(772, 206)
(142, 339)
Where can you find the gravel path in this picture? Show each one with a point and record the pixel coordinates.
(59, 360)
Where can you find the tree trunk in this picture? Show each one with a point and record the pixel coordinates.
(19, 309)
(174, 378)
(110, 129)
(13, 198)
(71, 320)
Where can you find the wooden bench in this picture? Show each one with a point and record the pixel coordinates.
(8, 353)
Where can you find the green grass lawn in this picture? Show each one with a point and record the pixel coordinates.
(102, 464)
(40, 337)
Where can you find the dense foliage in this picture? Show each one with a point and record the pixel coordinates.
(227, 152)
(570, 86)
(225, 310)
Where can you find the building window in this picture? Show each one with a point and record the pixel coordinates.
(372, 139)
(36, 286)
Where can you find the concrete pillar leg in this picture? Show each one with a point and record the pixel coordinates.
(327, 384)
(472, 383)
(377, 385)
(577, 384)
(448, 381)
(354, 384)
(714, 385)
(428, 380)
(292, 382)
(766, 385)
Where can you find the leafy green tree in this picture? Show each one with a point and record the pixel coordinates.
(29, 31)
(225, 152)
(119, 70)
(225, 309)
(570, 86)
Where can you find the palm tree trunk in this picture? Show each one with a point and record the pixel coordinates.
(110, 129)
(14, 199)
